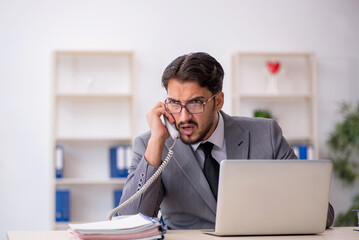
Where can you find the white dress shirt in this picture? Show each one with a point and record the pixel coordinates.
(219, 145)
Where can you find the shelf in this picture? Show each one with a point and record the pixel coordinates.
(298, 139)
(93, 72)
(288, 92)
(72, 53)
(269, 97)
(88, 181)
(62, 225)
(274, 54)
(93, 102)
(92, 95)
(93, 139)
(93, 117)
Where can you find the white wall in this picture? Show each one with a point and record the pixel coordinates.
(157, 31)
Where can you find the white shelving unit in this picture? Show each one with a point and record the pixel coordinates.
(93, 104)
(292, 102)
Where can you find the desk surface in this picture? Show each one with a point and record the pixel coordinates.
(342, 233)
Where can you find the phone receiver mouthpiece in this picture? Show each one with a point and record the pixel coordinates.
(171, 128)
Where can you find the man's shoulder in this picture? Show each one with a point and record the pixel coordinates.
(252, 120)
(252, 124)
(144, 137)
(248, 121)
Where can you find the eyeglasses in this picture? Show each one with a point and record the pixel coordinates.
(191, 107)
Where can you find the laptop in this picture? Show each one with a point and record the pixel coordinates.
(272, 197)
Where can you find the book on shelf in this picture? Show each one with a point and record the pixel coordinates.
(304, 151)
(120, 161)
(357, 211)
(59, 161)
(117, 194)
(62, 205)
(137, 226)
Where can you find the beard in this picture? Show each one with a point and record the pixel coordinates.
(201, 133)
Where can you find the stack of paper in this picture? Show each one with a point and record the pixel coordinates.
(136, 226)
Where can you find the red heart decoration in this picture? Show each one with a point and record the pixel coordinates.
(273, 67)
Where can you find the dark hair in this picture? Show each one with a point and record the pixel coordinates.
(197, 67)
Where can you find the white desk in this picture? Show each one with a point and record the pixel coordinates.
(342, 233)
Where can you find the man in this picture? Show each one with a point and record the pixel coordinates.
(184, 192)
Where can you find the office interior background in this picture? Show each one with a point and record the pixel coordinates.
(156, 31)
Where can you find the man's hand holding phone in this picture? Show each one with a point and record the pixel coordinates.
(159, 133)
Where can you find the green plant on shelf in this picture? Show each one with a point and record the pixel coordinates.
(263, 113)
(350, 217)
(343, 143)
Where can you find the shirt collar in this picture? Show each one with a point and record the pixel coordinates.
(217, 137)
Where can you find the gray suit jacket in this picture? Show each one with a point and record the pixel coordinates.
(182, 192)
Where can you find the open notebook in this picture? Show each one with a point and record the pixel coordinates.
(270, 197)
(137, 227)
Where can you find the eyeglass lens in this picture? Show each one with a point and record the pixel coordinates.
(191, 107)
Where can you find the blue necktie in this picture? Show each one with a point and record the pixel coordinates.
(211, 167)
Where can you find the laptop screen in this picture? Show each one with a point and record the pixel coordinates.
(260, 197)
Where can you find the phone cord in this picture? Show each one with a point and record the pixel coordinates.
(145, 186)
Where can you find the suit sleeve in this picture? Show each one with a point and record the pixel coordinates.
(330, 217)
(282, 150)
(139, 172)
(280, 146)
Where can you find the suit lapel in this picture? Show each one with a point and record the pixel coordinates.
(237, 145)
(186, 161)
(237, 140)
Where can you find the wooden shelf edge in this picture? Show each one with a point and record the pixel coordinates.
(93, 139)
(86, 181)
(95, 52)
(273, 97)
(299, 140)
(274, 54)
(65, 225)
(92, 95)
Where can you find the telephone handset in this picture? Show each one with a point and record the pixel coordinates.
(171, 128)
(175, 135)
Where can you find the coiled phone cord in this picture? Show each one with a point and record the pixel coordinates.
(145, 186)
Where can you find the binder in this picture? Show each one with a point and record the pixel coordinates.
(117, 194)
(62, 206)
(128, 156)
(120, 158)
(304, 152)
(59, 161)
(357, 229)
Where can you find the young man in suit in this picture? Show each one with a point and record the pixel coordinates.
(185, 191)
